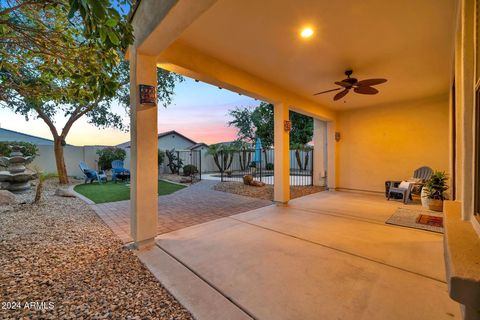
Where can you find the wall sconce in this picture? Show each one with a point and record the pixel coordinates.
(148, 95)
(287, 125)
(337, 136)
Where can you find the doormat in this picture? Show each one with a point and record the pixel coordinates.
(430, 220)
(417, 218)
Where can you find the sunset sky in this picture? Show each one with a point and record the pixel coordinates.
(199, 111)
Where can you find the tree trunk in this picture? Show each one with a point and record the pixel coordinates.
(241, 160)
(307, 157)
(299, 161)
(265, 153)
(60, 161)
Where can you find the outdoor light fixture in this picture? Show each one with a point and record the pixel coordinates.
(287, 125)
(148, 95)
(337, 136)
(306, 32)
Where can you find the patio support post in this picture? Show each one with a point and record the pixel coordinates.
(331, 155)
(281, 154)
(319, 151)
(144, 145)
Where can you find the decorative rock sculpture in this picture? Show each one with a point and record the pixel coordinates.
(16, 177)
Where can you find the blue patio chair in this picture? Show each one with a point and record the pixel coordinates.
(118, 171)
(91, 174)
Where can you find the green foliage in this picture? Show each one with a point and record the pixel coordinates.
(242, 120)
(189, 170)
(161, 156)
(29, 149)
(110, 191)
(302, 128)
(259, 123)
(269, 166)
(107, 155)
(222, 154)
(66, 57)
(437, 185)
(174, 162)
(262, 119)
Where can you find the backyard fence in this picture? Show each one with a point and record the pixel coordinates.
(234, 165)
(190, 158)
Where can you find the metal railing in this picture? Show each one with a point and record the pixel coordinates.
(234, 165)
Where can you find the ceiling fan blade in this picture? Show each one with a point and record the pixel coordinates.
(341, 94)
(327, 91)
(365, 90)
(370, 82)
(343, 84)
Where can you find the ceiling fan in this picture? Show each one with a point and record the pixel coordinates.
(362, 86)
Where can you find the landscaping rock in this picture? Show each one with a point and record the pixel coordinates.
(266, 192)
(64, 193)
(247, 179)
(7, 198)
(61, 253)
(257, 183)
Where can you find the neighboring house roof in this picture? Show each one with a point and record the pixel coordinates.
(10, 135)
(198, 145)
(166, 133)
(160, 135)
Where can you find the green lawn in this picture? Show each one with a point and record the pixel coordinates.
(110, 191)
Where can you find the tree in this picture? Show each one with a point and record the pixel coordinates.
(242, 120)
(222, 155)
(262, 119)
(300, 135)
(55, 58)
(259, 123)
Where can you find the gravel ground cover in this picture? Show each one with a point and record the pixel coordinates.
(265, 192)
(58, 260)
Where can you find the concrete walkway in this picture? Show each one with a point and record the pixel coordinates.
(196, 204)
(325, 256)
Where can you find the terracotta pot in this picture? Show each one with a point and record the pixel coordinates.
(436, 205)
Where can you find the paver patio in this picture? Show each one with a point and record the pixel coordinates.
(196, 204)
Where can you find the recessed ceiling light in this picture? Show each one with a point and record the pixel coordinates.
(306, 32)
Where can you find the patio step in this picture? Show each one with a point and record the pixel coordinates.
(202, 300)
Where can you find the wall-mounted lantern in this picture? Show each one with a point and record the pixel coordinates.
(287, 125)
(337, 136)
(148, 95)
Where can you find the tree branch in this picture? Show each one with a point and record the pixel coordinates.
(42, 115)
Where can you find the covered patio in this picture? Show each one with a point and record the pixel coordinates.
(325, 256)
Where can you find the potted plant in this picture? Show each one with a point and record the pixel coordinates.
(435, 190)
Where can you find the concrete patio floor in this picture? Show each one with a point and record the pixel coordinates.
(326, 256)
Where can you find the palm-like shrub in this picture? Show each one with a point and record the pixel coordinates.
(437, 185)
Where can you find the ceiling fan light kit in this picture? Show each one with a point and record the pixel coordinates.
(361, 87)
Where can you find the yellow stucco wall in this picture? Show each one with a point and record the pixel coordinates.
(389, 142)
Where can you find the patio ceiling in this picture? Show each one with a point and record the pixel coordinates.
(411, 43)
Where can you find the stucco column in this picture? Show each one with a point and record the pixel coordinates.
(319, 151)
(331, 156)
(281, 143)
(144, 145)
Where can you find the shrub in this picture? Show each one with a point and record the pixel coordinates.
(161, 156)
(107, 155)
(269, 166)
(189, 170)
(29, 149)
(174, 162)
(437, 185)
